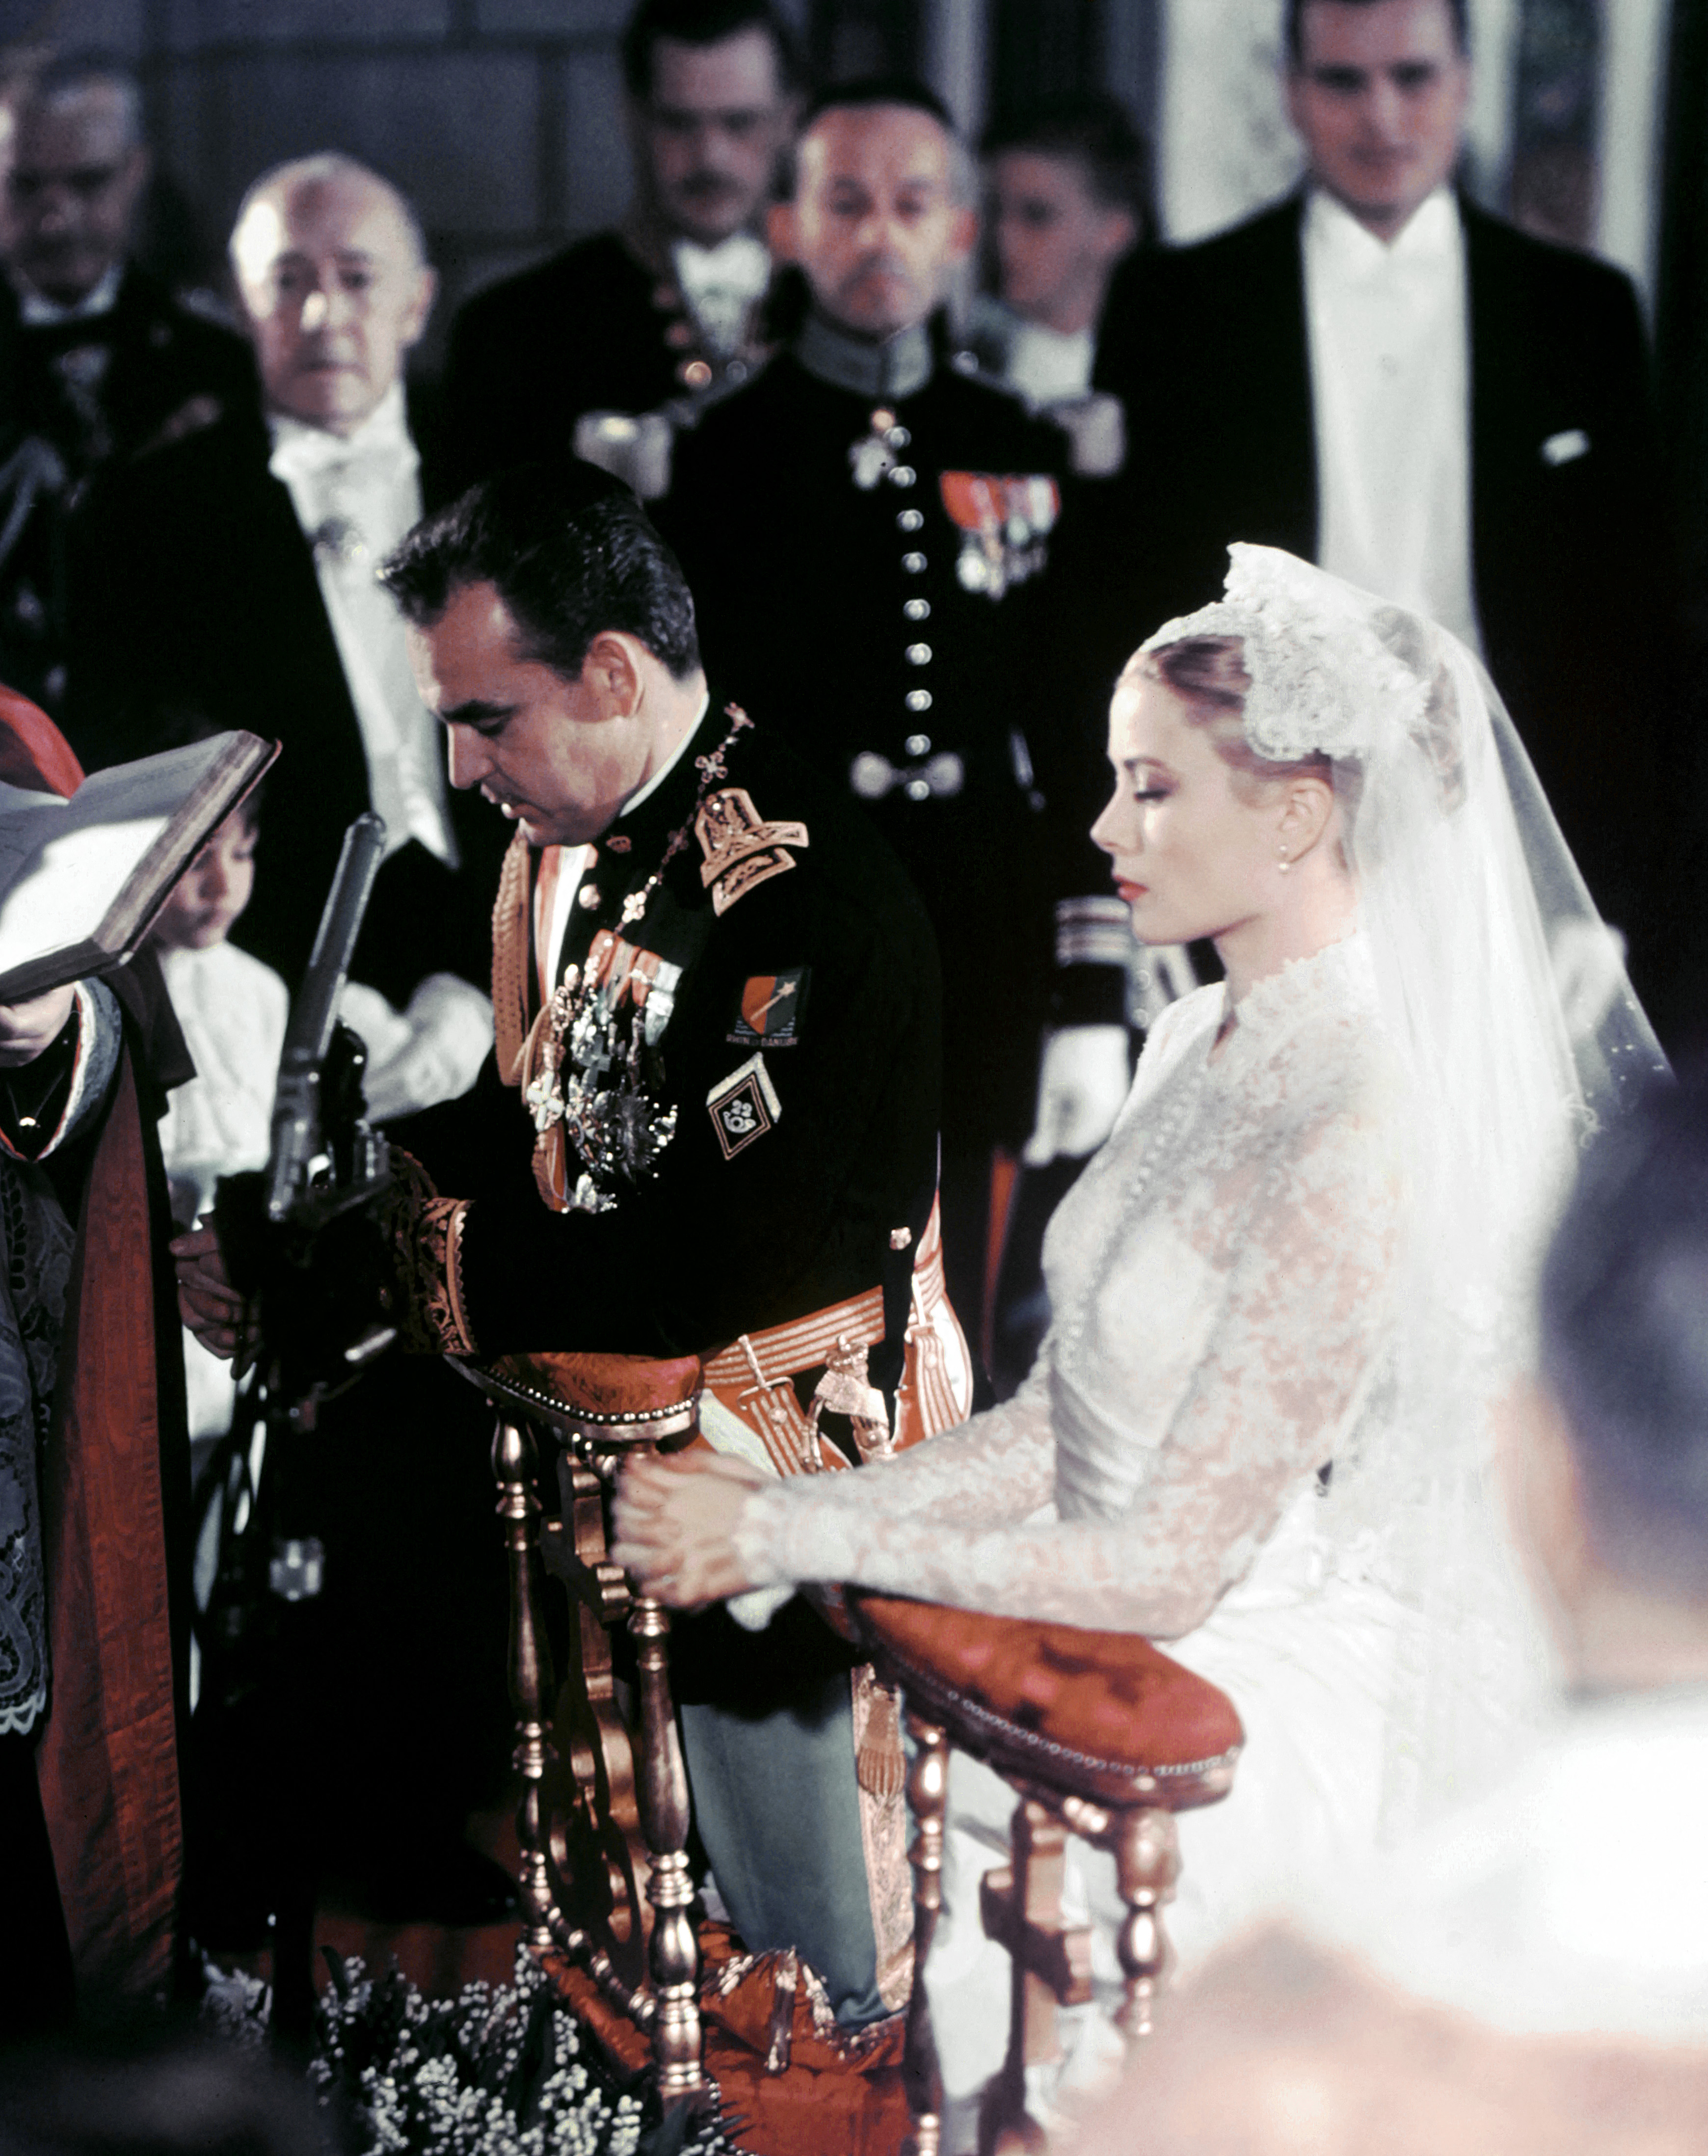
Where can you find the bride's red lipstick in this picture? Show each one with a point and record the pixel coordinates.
(1129, 891)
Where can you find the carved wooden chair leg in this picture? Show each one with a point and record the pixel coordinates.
(531, 1688)
(675, 1952)
(1147, 1863)
(1021, 1904)
(928, 1797)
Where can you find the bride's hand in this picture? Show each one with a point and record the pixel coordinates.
(676, 1520)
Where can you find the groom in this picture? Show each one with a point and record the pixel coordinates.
(1377, 375)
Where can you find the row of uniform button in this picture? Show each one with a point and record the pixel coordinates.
(914, 564)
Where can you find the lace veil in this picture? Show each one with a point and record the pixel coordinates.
(1504, 997)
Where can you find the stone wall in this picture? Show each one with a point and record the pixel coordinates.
(502, 119)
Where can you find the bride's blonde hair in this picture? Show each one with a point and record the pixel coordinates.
(1207, 674)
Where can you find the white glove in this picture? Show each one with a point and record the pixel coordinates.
(1082, 1081)
(429, 1053)
(1095, 426)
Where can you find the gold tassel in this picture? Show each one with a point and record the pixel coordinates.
(783, 2014)
(881, 1764)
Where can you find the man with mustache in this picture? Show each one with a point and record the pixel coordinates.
(661, 313)
(869, 519)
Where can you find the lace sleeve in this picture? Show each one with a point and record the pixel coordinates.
(995, 1470)
(1306, 1300)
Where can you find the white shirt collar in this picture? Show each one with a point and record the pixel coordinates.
(739, 264)
(300, 448)
(40, 313)
(1430, 237)
(645, 791)
(1045, 364)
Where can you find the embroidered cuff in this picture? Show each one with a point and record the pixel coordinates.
(426, 1235)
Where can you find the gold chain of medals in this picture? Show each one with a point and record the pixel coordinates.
(616, 1128)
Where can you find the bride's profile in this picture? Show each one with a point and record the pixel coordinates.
(1290, 1290)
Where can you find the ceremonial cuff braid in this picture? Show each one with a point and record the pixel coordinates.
(425, 1232)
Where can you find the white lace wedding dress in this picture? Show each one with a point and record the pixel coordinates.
(1288, 1294)
(1225, 1275)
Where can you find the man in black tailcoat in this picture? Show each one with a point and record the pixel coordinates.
(1385, 379)
(97, 360)
(229, 577)
(664, 311)
(865, 518)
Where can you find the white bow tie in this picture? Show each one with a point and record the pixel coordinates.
(379, 451)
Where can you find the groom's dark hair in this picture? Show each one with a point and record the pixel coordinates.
(1295, 24)
(570, 551)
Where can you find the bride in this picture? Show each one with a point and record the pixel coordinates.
(1289, 1288)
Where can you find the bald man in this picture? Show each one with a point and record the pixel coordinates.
(867, 534)
(97, 359)
(228, 579)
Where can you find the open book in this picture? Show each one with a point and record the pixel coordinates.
(81, 880)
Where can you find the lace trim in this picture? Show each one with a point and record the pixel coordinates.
(19, 1720)
(1322, 680)
(1339, 977)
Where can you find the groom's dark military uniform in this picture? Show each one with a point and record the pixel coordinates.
(685, 1231)
(733, 1127)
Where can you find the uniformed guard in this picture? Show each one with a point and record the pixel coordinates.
(866, 519)
(607, 345)
(710, 1129)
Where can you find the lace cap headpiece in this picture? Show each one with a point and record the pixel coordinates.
(1322, 680)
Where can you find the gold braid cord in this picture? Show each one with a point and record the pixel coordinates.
(510, 998)
(425, 1232)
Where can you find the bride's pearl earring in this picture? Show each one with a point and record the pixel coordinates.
(1283, 863)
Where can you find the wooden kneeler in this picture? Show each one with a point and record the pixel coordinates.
(603, 1820)
(1099, 1734)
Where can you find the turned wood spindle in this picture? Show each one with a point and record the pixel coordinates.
(674, 1951)
(1147, 1865)
(531, 1687)
(928, 1798)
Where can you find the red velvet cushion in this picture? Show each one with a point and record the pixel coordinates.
(1103, 1715)
(555, 1389)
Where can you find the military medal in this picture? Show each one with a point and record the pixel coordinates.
(584, 1080)
(1004, 522)
(873, 457)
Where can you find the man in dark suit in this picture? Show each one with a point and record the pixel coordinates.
(663, 312)
(1378, 375)
(867, 518)
(229, 575)
(97, 360)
